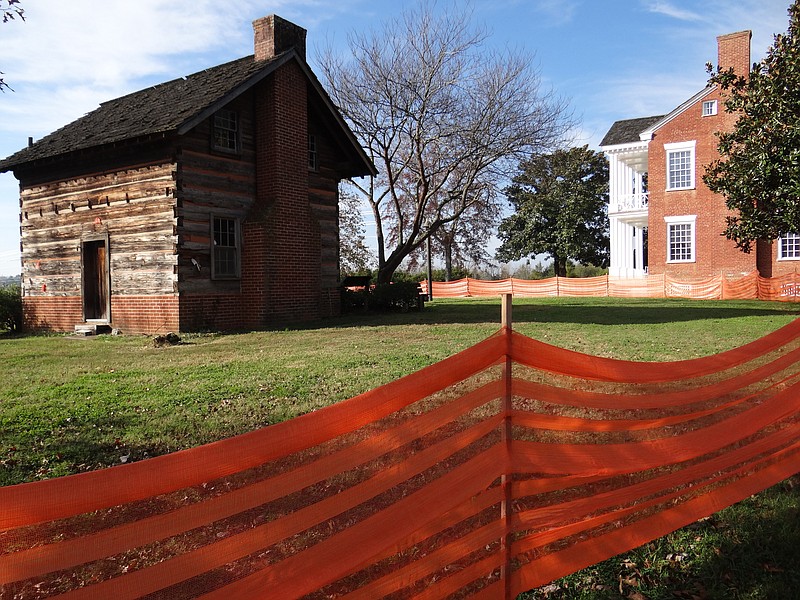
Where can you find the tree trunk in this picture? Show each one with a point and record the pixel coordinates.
(559, 266)
(448, 258)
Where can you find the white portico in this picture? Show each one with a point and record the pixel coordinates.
(627, 206)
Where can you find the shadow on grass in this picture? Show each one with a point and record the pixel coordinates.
(605, 311)
(749, 551)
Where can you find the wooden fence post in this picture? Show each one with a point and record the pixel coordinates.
(506, 435)
(505, 310)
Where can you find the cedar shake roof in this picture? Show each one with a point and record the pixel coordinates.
(627, 131)
(173, 107)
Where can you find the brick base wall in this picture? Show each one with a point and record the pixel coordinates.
(51, 313)
(214, 312)
(129, 314)
(145, 314)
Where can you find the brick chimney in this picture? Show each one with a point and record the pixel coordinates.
(274, 35)
(733, 50)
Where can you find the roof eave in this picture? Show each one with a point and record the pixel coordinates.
(369, 168)
(648, 133)
(234, 93)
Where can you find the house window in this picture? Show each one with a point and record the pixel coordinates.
(680, 238)
(709, 108)
(226, 131)
(680, 166)
(225, 250)
(789, 246)
(312, 152)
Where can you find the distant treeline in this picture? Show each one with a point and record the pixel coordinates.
(6, 280)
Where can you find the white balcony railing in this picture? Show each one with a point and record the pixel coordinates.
(628, 203)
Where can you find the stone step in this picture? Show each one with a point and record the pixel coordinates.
(92, 328)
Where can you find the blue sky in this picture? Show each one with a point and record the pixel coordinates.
(611, 59)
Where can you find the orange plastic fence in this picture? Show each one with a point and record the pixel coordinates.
(487, 474)
(749, 287)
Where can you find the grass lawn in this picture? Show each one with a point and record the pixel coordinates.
(69, 405)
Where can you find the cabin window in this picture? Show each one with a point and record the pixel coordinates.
(226, 247)
(709, 108)
(789, 246)
(681, 239)
(680, 166)
(226, 131)
(312, 152)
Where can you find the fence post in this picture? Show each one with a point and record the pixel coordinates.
(505, 310)
(505, 436)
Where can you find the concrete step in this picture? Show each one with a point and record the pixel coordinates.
(92, 328)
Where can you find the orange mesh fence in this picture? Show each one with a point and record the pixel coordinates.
(535, 288)
(749, 287)
(783, 288)
(699, 289)
(651, 286)
(589, 286)
(492, 472)
(744, 288)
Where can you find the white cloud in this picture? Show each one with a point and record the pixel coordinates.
(557, 12)
(670, 10)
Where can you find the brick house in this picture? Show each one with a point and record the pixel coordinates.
(663, 218)
(207, 202)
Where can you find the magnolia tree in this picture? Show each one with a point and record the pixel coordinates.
(442, 115)
(560, 209)
(758, 171)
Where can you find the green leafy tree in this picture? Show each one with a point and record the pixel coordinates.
(10, 10)
(560, 209)
(758, 171)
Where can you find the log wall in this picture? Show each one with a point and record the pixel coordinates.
(134, 207)
(154, 200)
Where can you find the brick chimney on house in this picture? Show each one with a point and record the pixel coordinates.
(733, 50)
(274, 35)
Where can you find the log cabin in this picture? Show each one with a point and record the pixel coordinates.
(205, 203)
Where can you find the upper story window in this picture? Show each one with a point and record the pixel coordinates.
(226, 131)
(225, 250)
(312, 152)
(681, 238)
(789, 246)
(709, 108)
(680, 165)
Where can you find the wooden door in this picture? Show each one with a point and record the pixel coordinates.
(96, 283)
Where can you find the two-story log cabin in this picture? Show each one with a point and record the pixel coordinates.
(207, 202)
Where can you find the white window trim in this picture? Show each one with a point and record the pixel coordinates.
(712, 104)
(680, 147)
(780, 251)
(683, 220)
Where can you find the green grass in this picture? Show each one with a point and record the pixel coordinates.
(69, 405)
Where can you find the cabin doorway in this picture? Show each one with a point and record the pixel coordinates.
(96, 281)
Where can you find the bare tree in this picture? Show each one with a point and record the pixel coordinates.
(462, 240)
(441, 115)
(354, 256)
(10, 9)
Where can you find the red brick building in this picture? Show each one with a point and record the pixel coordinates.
(663, 217)
(207, 202)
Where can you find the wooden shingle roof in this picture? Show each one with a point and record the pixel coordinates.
(628, 130)
(160, 109)
(174, 107)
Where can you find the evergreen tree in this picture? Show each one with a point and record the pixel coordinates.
(759, 167)
(560, 209)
